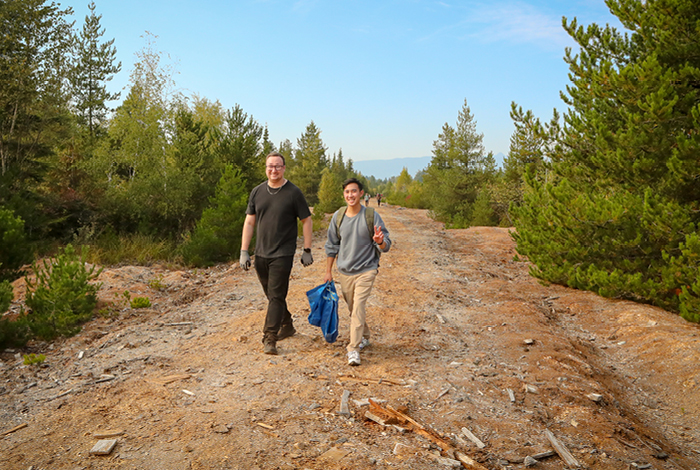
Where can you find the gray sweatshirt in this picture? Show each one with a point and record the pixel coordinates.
(355, 250)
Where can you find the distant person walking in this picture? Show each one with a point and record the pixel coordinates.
(354, 235)
(367, 200)
(379, 200)
(274, 206)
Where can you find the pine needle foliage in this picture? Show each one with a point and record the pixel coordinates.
(619, 213)
(62, 297)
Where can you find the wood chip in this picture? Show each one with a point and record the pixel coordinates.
(107, 433)
(469, 435)
(266, 426)
(103, 447)
(334, 454)
(344, 408)
(596, 397)
(377, 419)
(468, 462)
(511, 395)
(187, 392)
(561, 450)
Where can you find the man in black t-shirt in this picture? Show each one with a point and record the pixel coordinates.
(274, 206)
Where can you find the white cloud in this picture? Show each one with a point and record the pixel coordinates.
(513, 21)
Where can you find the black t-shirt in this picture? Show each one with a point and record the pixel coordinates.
(276, 218)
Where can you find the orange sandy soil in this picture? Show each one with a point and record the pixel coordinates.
(456, 324)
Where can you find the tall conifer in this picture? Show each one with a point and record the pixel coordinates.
(619, 214)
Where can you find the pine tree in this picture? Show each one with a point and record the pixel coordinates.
(34, 51)
(459, 167)
(620, 212)
(309, 161)
(330, 193)
(241, 146)
(94, 66)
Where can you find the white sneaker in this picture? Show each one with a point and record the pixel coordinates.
(364, 343)
(353, 358)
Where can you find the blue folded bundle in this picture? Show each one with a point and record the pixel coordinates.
(323, 301)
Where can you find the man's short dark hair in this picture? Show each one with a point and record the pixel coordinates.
(353, 180)
(276, 154)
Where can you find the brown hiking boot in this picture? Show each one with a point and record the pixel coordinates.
(285, 332)
(270, 346)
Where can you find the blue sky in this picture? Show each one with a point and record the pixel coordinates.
(379, 78)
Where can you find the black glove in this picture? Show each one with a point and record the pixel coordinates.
(306, 258)
(245, 260)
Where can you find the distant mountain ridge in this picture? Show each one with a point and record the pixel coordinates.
(384, 169)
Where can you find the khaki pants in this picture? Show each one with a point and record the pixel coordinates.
(356, 290)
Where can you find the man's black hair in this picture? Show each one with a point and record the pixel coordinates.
(353, 180)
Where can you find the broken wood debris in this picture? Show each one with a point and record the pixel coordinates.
(469, 435)
(342, 377)
(442, 394)
(596, 397)
(390, 415)
(103, 447)
(266, 426)
(15, 429)
(365, 402)
(59, 395)
(511, 395)
(540, 456)
(105, 378)
(107, 434)
(344, 408)
(334, 453)
(561, 450)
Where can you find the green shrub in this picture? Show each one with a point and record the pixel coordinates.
(140, 302)
(6, 296)
(157, 283)
(31, 359)
(12, 333)
(217, 236)
(62, 296)
(15, 250)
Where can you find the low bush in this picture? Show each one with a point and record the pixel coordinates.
(62, 297)
(15, 250)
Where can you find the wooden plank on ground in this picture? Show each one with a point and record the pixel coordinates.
(344, 408)
(107, 433)
(561, 450)
(468, 462)
(103, 447)
(473, 438)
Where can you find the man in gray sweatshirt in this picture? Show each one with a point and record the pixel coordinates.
(355, 238)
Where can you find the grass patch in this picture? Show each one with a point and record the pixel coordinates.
(133, 249)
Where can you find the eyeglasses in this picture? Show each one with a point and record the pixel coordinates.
(275, 167)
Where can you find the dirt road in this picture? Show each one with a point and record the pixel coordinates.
(463, 338)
